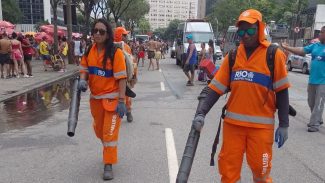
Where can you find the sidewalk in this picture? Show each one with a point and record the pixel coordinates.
(16, 86)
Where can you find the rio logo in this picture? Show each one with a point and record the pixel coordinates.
(101, 73)
(244, 75)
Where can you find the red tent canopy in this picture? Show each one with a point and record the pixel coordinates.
(50, 30)
(6, 24)
(39, 37)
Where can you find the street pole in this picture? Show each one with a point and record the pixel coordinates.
(1, 18)
(69, 27)
(297, 24)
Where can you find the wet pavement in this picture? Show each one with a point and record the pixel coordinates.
(16, 86)
(35, 106)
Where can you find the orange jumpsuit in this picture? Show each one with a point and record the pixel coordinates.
(104, 88)
(249, 121)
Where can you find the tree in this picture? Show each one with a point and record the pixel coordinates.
(170, 32)
(134, 13)
(118, 7)
(85, 7)
(54, 6)
(143, 26)
(161, 33)
(11, 11)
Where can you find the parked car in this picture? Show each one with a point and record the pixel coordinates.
(173, 50)
(299, 62)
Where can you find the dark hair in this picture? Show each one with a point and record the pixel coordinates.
(14, 35)
(211, 44)
(20, 38)
(109, 44)
(64, 39)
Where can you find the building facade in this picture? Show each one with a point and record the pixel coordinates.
(35, 11)
(163, 11)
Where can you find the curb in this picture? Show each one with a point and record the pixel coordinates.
(39, 85)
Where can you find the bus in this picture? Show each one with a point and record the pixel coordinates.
(202, 32)
(143, 38)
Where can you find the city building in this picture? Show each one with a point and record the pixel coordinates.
(35, 11)
(163, 11)
(201, 10)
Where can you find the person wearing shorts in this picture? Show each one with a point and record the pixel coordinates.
(191, 61)
(5, 49)
(151, 52)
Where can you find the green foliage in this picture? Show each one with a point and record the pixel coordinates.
(170, 32)
(161, 33)
(228, 11)
(135, 13)
(143, 26)
(11, 11)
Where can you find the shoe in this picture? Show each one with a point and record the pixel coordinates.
(30, 75)
(108, 172)
(309, 125)
(313, 129)
(129, 117)
(25, 76)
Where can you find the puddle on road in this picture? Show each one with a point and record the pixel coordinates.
(36, 106)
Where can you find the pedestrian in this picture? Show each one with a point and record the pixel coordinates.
(249, 119)
(64, 51)
(17, 56)
(120, 34)
(28, 54)
(141, 53)
(191, 61)
(316, 83)
(210, 52)
(44, 50)
(158, 53)
(77, 50)
(105, 73)
(5, 54)
(151, 52)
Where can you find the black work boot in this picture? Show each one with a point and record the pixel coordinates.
(108, 172)
(129, 117)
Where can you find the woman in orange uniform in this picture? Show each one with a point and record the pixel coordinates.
(104, 70)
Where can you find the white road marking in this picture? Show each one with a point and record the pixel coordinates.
(162, 86)
(171, 155)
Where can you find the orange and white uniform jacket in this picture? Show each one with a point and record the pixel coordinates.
(103, 83)
(252, 99)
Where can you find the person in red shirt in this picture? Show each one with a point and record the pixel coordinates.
(104, 70)
(28, 51)
(249, 120)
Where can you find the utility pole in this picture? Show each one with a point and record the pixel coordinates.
(69, 27)
(1, 18)
(189, 12)
(297, 24)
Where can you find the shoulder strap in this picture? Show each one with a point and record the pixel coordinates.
(270, 57)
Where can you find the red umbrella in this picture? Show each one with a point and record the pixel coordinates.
(6, 24)
(75, 34)
(39, 37)
(9, 31)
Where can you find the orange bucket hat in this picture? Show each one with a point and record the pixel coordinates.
(252, 16)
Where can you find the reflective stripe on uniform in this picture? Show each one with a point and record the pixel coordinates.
(100, 72)
(280, 83)
(218, 85)
(119, 74)
(110, 144)
(83, 68)
(108, 95)
(250, 119)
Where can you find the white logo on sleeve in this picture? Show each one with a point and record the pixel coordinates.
(101, 73)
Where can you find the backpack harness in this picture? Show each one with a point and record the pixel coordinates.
(270, 56)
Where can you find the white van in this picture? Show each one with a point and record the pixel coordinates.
(202, 32)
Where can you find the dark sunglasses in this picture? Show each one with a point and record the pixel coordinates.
(101, 31)
(249, 31)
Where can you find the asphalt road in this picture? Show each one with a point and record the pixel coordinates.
(151, 147)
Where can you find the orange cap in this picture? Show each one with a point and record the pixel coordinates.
(119, 31)
(252, 16)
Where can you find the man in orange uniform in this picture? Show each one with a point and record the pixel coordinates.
(106, 73)
(120, 34)
(249, 120)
